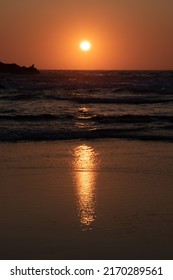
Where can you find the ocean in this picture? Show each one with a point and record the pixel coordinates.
(65, 105)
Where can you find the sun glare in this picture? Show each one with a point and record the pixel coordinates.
(85, 46)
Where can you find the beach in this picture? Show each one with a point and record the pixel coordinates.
(86, 138)
(83, 199)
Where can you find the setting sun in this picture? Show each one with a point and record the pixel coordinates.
(85, 46)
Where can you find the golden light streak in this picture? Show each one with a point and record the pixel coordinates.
(84, 165)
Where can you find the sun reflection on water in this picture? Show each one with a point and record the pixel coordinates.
(84, 170)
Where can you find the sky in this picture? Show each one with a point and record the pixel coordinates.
(124, 34)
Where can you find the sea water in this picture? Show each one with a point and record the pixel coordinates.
(56, 105)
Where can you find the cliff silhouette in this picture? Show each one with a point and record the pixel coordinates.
(16, 69)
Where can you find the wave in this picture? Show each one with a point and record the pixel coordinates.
(133, 119)
(86, 99)
(131, 100)
(105, 119)
(44, 135)
(35, 118)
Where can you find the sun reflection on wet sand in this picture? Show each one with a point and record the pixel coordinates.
(84, 175)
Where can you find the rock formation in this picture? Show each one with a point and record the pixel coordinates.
(16, 69)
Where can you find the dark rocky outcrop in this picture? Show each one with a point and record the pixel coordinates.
(16, 69)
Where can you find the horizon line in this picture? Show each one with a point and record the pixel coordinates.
(46, 69)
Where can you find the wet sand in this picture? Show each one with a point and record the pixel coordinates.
(102, 199)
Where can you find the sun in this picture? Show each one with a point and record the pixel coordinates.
(85, 46)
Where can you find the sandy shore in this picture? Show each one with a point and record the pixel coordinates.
(104, 199)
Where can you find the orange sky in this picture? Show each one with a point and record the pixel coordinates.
(125, 34)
